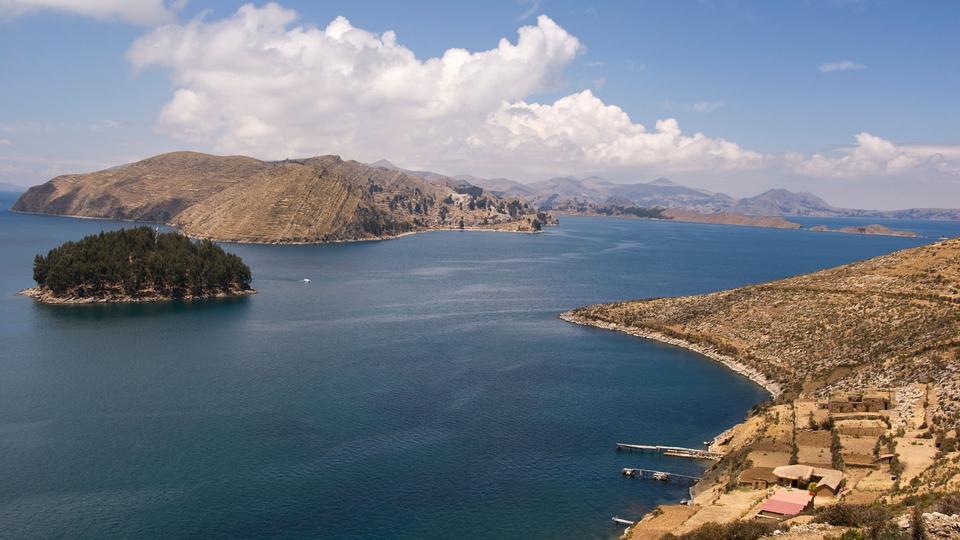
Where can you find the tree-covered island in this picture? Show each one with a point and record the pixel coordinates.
(137, 265)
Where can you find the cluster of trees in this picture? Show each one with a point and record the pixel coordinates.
(417, 204)
(379, 223)
(132, 261)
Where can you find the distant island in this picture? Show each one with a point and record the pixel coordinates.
(137, 265)
(866, 229)
(627, 210)
(311, 200)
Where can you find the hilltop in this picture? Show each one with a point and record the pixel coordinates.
(242, 199)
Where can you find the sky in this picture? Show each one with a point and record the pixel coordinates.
(857, 101)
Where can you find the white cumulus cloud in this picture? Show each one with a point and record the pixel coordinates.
(259, 83)
(875, 156)
(840, 65)
(580, 129)
(141, 12)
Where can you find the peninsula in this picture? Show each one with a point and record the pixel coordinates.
(137, 265)
(863, 363)
(312, 200)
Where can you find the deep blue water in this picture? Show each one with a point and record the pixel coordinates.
(417, 388)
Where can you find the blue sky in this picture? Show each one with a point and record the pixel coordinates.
(79, 93)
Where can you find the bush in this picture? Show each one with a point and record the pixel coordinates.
(888, 531)
(918, 529)
(948, 504)
(738, 530)
(853, 515)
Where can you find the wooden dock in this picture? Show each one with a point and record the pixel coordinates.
(662, 476)
(673, 451)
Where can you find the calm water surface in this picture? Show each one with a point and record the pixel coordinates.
(417, 388)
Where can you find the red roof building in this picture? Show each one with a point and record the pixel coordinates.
(785, 503)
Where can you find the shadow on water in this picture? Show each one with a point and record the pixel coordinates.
(221, 307)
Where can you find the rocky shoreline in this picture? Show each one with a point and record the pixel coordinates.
(497, 227)
(47, 297)
(772, 387)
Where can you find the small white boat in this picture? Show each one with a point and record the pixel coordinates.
(305, 280)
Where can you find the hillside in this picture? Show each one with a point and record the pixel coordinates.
(886, 321)
(566, 192)
(780, 202)
(864, 364)
(237, 198)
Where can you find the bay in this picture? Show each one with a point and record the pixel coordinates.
(414, 388)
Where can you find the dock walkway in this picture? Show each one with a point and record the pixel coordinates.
(663, 476)
(673, 451)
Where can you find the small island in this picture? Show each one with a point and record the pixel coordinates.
(874, 229)
(137, 265)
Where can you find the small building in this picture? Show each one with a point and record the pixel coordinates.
(785, 503)
(876, 401)
(852, 403)
(757, 478)
(801, 476)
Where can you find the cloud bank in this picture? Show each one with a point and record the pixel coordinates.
(258, 83)
(141, 12)
(874, 156)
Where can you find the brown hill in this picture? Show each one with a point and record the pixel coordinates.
(730, 218)
(237, 198)
(883, 322)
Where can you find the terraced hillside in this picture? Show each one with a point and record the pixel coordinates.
(237, 198)
(884, 322)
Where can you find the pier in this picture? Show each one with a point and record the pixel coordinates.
(656, 475)
(674, 451)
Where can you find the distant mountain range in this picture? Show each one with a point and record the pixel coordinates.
(11, 188)
(575, 195)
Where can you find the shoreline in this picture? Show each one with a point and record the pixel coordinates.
(896, 233)
(730, 363)
(49, 299)
(283, 243)
(773, 388)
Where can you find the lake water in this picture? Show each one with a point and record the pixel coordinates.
(416, 388)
